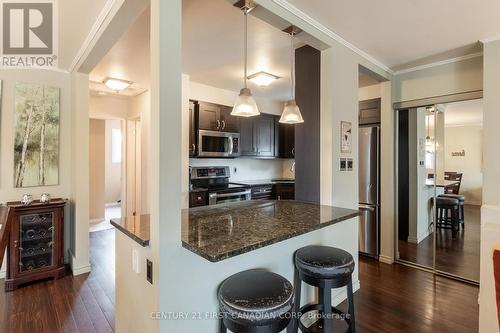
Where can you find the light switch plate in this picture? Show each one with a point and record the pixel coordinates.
(136, 267)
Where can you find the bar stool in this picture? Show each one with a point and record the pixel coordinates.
(447, 214)
(255, 301)
(461, 203)
(326, 268)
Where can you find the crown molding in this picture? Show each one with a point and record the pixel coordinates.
(489, 40)
(439, 63)
(90, 39)
(308, 19)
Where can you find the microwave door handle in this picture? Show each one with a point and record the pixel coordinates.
(231, 143)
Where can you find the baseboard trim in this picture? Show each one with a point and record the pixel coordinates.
(342, 296)
(386, 259)
(78, 270)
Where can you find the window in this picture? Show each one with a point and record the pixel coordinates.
(116, 145)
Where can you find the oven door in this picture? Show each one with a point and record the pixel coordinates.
(218, 198)
(218, 144)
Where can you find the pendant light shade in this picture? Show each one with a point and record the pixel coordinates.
(291, 113)
(245, 105)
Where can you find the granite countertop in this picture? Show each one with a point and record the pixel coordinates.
(136, 227)
(441, 183)
(223, 231)
(258, 182)
(198, 189)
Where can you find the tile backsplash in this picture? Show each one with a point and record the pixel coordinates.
(249, 168)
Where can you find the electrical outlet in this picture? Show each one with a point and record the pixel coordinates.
(149, 273)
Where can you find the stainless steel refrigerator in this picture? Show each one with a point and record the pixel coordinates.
(369, 190)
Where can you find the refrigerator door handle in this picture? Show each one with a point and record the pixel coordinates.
(366, 207)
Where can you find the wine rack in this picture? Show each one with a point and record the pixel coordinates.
(36, 249)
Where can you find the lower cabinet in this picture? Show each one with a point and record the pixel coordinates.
(198, 199)
(285, 191)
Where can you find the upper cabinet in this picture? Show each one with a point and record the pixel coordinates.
(286, 140)
(213, 117)
(257, 136)
(260, 136)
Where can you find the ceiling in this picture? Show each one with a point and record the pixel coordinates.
(212, 50)
(464, 113)
(399, 32)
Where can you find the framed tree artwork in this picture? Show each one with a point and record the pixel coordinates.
(36, 142)
(346, 137)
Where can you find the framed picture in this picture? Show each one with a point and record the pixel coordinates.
(346, 137)
(36, 135)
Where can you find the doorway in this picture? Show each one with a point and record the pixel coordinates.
(439, 186)
(106, 172)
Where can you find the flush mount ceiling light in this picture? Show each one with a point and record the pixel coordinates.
(291, 113)
(116, 84)
(245, 105)
(262, 79)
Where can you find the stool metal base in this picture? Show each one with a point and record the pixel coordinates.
(324, 305)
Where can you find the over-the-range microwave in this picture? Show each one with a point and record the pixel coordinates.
(218, 144)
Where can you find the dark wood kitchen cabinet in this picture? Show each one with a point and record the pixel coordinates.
(214, 117)
(284, 191)
(285, 136)
(36, 249)
(264, 132)
(248, 146)
(257, 136)
(193, 134)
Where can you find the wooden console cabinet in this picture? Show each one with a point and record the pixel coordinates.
(35, 248)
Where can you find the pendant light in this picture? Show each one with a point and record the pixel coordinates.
(291, 113)
(245, 105)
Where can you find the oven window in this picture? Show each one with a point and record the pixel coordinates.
(215, 144)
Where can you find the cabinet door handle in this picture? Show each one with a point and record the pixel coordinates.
(293, 151)
(223, 125)
(193, 149)
(218, 124)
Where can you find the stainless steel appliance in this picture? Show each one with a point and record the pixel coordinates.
(369, 190)
(218, 144)
(216, 180)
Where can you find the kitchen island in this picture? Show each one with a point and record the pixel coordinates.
(218, 241)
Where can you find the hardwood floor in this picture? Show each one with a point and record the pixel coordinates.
(458, 256)
(397, 298)
(80, 304)
(392, 298)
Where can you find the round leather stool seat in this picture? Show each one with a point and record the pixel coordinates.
(460, 198)
(446, 202)
(255, 298)
(324, 262)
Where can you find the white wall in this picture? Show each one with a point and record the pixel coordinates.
(453, 78)
(113, 181)
(247, 168)
(370, 92)
(109, 107)
(63, 189)
(469, 139)
(97, 167)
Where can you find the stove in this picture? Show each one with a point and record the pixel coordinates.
(216, 180)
